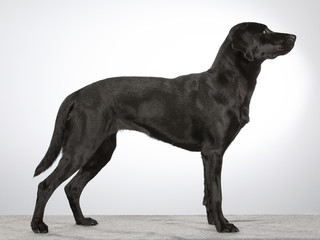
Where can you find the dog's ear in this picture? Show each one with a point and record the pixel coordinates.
(243, 43)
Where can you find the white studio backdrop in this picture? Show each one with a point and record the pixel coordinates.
(49, 49)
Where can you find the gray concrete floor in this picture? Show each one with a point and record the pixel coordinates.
(163, 227)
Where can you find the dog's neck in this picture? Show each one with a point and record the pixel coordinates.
(234, 63)
(248, 70)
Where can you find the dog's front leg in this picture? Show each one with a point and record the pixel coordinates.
(212, 162)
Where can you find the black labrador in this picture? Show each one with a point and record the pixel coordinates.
(198, 112)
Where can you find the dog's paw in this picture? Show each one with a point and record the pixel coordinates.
(210, 218)
(39, 227)
(87, 222)
(228, 228)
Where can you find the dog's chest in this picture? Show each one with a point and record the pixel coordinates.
(224, 121)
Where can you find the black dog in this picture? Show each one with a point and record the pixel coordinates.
(197, 112)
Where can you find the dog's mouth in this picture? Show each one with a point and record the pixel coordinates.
(289, 44)
(286, 47)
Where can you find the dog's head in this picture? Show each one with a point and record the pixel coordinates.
(256, 42)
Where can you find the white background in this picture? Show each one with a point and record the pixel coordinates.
(49, 49)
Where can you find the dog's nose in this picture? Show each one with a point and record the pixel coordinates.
(292, 37)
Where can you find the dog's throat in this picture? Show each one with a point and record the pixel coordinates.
(244, 115)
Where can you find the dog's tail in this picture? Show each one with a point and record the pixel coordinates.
(57, 137)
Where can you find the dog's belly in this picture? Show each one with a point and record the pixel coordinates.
(185, 138)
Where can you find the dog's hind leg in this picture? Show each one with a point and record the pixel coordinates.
(84, 136)
(63, 171)
(74, 188)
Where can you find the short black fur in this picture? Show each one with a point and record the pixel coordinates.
(198, 112)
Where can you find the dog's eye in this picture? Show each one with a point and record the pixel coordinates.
(265, 31)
